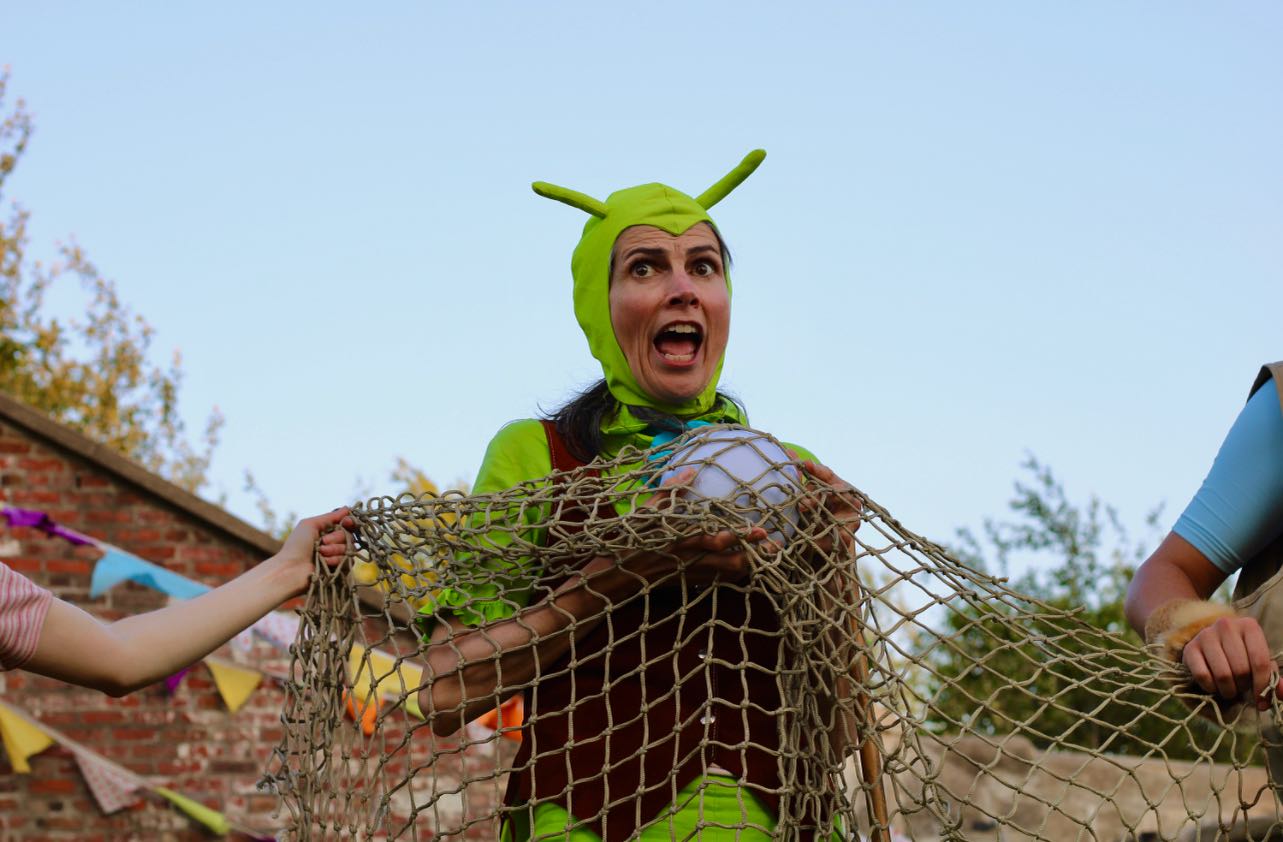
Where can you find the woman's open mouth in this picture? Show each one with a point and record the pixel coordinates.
(679, 342)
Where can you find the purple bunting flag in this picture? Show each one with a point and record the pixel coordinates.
(34, 519)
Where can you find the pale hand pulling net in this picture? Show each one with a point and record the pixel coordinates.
(824, 685)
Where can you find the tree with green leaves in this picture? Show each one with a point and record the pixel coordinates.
(1076, 557)
(92, 373)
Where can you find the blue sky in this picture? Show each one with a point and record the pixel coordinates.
(983, 229)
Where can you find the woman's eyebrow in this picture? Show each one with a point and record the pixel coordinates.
(698, 250)
(644, 251)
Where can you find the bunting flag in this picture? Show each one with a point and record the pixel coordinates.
(112, 785)
(280, 628)
(117, 566)
(212, 819)
(235, 683)
(365, 711)
(39, 520)
(244, 641)
(505, 719)
(173, 681)
(377, 676)
(375, 672)
(113, 788)
(22, 738)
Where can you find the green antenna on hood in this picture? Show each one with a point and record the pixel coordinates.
(573, 198)
(731, 180)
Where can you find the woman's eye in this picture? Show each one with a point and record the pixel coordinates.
(642, 269)
(705, 268)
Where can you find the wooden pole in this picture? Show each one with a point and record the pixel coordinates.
(870, 758)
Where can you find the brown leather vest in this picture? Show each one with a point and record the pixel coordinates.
(1261, 567)
(669, 684)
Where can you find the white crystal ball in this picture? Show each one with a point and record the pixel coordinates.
(745, 472)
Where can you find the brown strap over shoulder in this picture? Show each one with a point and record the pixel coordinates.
(562, 458)
(1268, 371)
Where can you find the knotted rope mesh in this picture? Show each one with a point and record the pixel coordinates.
(852, 683)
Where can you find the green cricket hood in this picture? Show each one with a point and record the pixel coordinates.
(647, 204)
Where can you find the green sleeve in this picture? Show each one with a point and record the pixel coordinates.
(479, 593)
(517, 453)
(802, 453)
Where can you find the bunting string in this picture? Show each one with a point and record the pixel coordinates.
(113, 786)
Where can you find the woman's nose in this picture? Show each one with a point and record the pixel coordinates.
(682, 290)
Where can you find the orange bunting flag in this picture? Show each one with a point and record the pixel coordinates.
(364, 711)
(506, 718)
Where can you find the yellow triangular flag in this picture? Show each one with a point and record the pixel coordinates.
(21, 739)
(235, 684)
(412, 703)
(359, 671)
(411, 676)
(212, 819)
(384, 673)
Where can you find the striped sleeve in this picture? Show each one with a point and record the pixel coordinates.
(23, 606)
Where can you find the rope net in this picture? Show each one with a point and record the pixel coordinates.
(856, 683)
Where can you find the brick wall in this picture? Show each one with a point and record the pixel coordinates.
(189, 739)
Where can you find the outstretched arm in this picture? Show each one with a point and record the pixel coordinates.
(1235, 513)
(1176, 570)
(1227, 655)
(134, 652)
(470, 667)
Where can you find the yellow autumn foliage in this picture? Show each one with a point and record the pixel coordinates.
(420, 568)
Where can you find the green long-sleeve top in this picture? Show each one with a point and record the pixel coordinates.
(517, 454)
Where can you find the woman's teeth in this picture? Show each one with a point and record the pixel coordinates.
(678, 343)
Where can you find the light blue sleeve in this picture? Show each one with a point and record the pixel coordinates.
(1239, 508)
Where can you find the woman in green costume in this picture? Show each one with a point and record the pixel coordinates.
(652, 294)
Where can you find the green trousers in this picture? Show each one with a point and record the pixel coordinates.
(708, 808)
